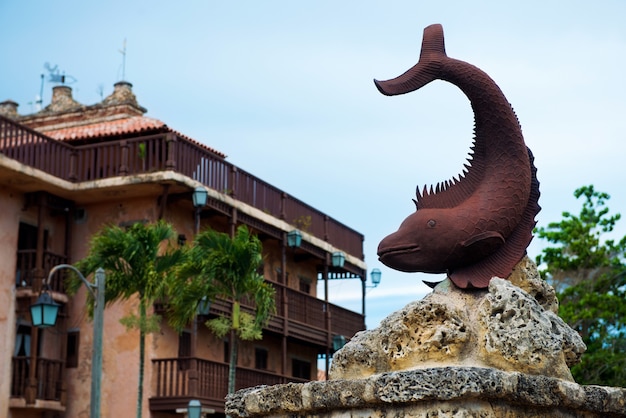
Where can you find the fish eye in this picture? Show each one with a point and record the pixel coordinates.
(431, 223)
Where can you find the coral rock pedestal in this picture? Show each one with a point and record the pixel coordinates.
(498, 352)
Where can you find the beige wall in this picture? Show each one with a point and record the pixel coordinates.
(120, 359)
(10, 203)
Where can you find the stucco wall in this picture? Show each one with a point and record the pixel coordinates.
(120, 360)
(10, 203)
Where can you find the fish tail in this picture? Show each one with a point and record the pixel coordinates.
(426, 70)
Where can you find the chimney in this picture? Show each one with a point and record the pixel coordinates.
(62, 100)
(8, 108)
(123, 95)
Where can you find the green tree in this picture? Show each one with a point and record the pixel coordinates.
(589, 274)
(137, 261)
(219, 266)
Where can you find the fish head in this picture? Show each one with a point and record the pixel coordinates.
(437, 241)
(421, 244)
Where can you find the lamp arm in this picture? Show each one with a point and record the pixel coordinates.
(90, 286)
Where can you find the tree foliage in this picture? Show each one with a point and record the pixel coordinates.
(137, 261)
(219, 266)
(589, 274)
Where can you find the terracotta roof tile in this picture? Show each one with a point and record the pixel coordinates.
(130, 125)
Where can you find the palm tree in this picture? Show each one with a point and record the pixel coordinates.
(219, 266)
(138, 261)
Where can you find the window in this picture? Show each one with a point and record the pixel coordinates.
(27, 237)
(184, 344)
(22, 341)
(301, 369)
(279, 276)
(184, 350)
(73, 342)
(305, 285)
(226, 352)
(27, 240)
(260, 358)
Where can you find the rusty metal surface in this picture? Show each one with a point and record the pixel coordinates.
(480, 225)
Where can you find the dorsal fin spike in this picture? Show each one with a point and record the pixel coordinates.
(418, 195)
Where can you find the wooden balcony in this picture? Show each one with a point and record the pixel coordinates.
(174, 386)
(305, 315)
(26, 265)
(145, 154)
(49, 375)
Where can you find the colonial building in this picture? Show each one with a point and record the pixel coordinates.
(70, 169)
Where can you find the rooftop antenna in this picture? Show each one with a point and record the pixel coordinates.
(56, 77)
(123, 52)
(39, 99)
(37, 104)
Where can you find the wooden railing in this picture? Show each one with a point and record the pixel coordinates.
(48, 376)
(304, 310)
(169, 152)
(172, 378)
(26, 263)
(305, 313)
(34, 149)
(345, 322)
(311, 311)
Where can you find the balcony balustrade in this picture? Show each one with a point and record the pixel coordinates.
(26, 264)
(306, 315)
(172, 376)
(48, 375)
(162, 152)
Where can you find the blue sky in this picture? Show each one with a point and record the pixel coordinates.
(285, 90)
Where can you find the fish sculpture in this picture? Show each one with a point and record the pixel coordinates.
(479, 225)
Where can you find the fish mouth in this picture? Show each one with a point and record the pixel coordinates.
(400, 258)
(408, 258)
(388, 256)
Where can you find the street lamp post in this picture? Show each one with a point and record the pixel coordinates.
(194, 409)
(375, 276)
(97, 291)
(199, 199)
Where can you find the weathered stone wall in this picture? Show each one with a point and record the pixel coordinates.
(504, 326)
(433, 392)
(500, 352)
